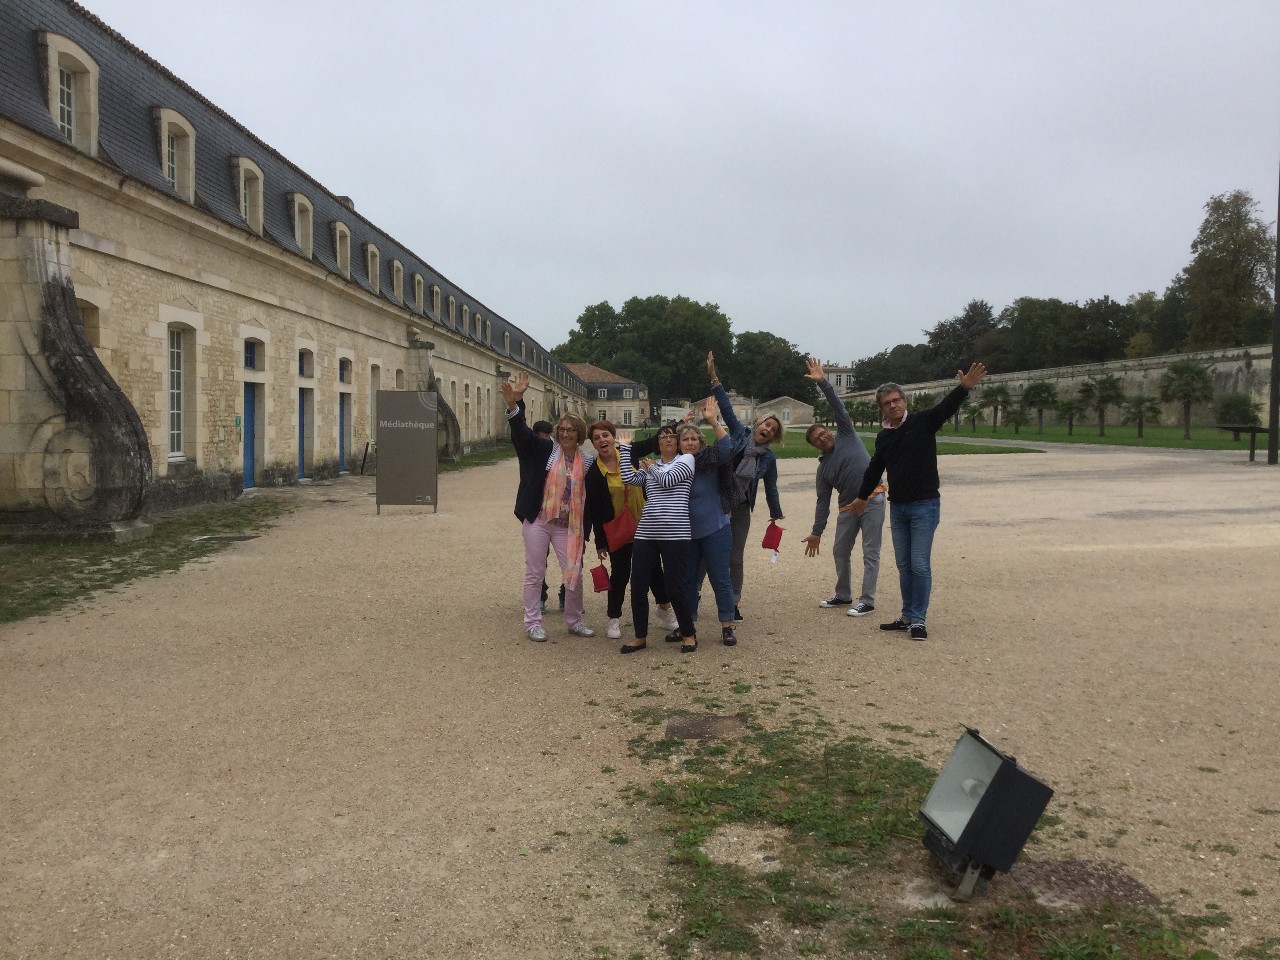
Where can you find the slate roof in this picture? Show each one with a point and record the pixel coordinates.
(132, 84)
(590, 374)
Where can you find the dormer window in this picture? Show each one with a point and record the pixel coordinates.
(418, 287)
(397, 281)
(248, 177)
(435, 301)
(72, 92)
(453, 310)
(303, 232)
(488, 332)
(342, 247)
(177, 152)
(466, 319)
(372, 266)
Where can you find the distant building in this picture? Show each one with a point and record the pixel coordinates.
(789, 410)
(623, 402)
(841, 377)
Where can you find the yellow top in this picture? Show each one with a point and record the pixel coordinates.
(633, 498)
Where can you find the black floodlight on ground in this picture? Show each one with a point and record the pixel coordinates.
(980, 812)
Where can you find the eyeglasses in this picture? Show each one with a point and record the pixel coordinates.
(566, 430)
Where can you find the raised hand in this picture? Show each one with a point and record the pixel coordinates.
(513, 390)
(689, 415)
(816, 373)
(711, 366)
(710, 410)
(977, 371)
(626, 437)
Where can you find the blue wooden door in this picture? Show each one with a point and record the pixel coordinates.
(302, 433)
(248, 432)
(343, 402)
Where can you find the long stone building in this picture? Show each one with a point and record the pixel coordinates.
(186, 311)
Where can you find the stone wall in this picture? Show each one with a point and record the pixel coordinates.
(1234, 370)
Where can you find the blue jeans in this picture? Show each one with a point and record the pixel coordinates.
(710, 556)
(913, 525)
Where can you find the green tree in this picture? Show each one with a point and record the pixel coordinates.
(1040, 396)
(1237, 409)
(1231, 274)
(1140, 409)
(1016, 416)
(765, 366)
(923, 401)
(953, 343)
(1098, 393)
(972, 412)
(659, 341)
(1186, 382)
(995, 398)
(865, 411)
(1069, 409)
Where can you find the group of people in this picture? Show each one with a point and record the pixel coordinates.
(691, 504)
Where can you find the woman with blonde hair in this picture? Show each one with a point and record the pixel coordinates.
(551, 516)
(753, 462)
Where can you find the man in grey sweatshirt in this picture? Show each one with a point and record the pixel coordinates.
(841, 467)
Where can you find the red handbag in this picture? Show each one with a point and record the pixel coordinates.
(621, 530)
(600, 578)
(772, 536)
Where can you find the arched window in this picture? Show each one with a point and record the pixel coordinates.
(72, 91)
(248, 176)
(177, 152)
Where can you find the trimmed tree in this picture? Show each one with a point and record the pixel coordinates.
(1141, 409)
(1016, 416)
(995, 398)
(1098, 393)
(1186, 382)
(1040, 396)
(1069, 408)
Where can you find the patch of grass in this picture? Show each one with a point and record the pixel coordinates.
(481, 458)
(42, 578)
(848, 809)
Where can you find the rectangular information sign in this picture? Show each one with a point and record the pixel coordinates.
(407, 453)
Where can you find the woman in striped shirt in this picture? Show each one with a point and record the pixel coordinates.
(663, 534)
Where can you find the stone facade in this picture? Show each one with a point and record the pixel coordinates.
(249, 339)
(623, 402)
(789, 410)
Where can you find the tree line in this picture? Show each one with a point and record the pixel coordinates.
(663, 342)
(1222, 298)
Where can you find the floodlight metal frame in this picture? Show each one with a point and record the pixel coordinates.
(999, 826)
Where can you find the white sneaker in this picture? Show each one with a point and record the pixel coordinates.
(582, 630)
(669, 618)
(537, 633)
(613, 628)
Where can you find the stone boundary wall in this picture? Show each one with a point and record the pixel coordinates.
(1234, 370)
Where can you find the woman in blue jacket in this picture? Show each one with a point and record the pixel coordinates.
(752, 461)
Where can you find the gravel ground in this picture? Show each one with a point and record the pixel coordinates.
(335, 740)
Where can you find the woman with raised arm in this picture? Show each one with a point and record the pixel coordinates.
(551, 515)
(752, 461)
(663, 535)
(607, 497)
(711, 535)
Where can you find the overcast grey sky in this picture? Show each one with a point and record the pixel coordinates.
(842, 174)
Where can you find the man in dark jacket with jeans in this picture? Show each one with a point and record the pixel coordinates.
(907, 447)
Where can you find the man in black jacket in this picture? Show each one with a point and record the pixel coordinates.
(907, 448)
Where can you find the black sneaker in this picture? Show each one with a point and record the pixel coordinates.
(861, 609)
(834, 602)
(898, 624)
(918, 632)
(737, 615)
(728, 636)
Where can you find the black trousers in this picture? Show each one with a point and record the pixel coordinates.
(669, 557)
(620, 575)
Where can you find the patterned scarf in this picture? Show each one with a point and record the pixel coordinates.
(746, 472)
(559, 474)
